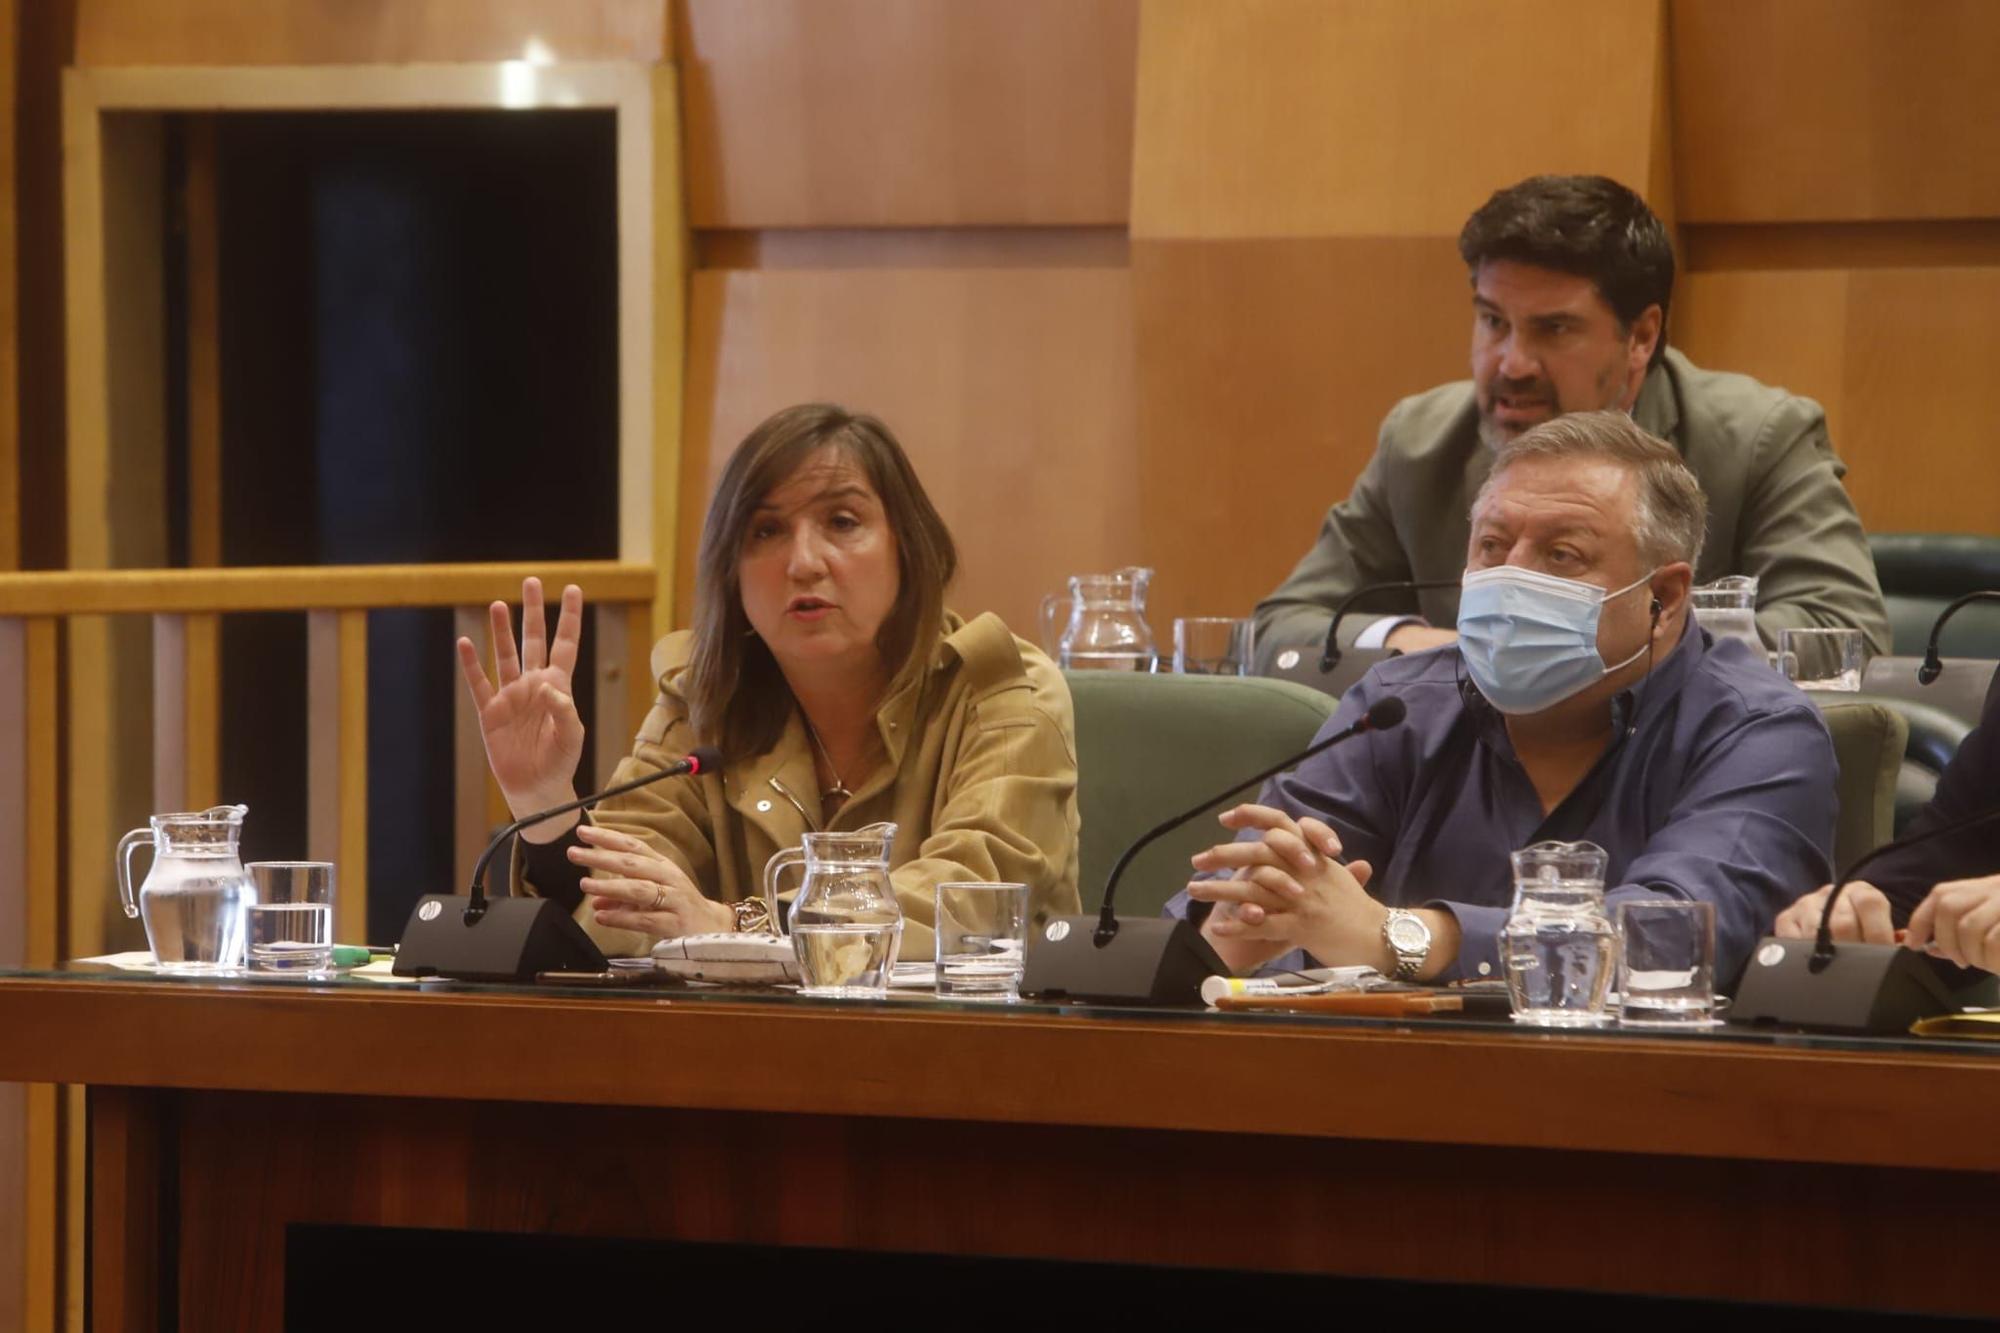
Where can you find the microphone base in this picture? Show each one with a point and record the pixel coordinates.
(1866, 988)
(515, 939)
(1150, 961)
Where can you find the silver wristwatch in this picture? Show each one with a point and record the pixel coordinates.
(1409, 939)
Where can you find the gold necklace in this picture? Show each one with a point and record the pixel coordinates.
(838, 791)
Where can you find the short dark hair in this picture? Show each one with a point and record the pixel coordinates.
(1587, 225)
(737, 699)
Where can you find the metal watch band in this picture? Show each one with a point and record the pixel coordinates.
(1408, 961)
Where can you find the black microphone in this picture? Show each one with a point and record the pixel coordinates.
(1330, 652)
(1933, 665)
(701, 759)
(511, 939)
(1855, 987)
(1154, 960)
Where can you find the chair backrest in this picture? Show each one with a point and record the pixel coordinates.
(1868, 742)
(1148, 747)
(1921, 572)
(1934, 737)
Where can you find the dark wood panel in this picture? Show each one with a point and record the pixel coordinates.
(130, 1164)
(1928, 1108)
(1619, 1223)
(1772, 247)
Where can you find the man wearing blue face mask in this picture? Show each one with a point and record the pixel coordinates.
(1580, 702)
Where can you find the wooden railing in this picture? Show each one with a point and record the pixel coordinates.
(57, 746)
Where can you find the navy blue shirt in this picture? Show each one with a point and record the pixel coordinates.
(1718, 784)
(1969, 784)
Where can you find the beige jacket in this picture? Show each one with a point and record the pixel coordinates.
(980, 783)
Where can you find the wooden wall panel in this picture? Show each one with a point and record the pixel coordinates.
(342, 32)
(1301, 172)
(1380, 117)
(1836, 110)
(1902, 359)
(1267, 367)
(1010, 388)
(907, 113)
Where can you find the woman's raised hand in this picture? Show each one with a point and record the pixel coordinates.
(533, 735)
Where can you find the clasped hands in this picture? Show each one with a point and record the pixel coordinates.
(1958, 920)
(1288, 890)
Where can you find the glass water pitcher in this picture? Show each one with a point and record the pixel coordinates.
(846, 924)
(194, 896)
(1559, 948)
(1727, 609)
(1100, 623)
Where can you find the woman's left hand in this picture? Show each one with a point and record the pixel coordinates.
(633, 887)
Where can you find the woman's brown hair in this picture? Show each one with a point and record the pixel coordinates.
(736, 696)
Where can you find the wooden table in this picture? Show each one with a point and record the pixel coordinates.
(1788, 1170)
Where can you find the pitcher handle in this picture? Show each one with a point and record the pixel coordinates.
(1051, 640)
(773, 869)
(124, 863)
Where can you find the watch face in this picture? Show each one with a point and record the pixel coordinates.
(1408, 935)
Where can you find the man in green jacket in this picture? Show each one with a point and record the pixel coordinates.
(1572, 278)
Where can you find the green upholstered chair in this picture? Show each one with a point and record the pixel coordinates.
(1148, 747)
(1934, 737)
(1868, 742)
(1921, 572)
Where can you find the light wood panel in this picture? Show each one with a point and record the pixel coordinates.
(309, 587)
(187, 721)
(1273, 118)
(1841, 109)
(907, 113)
(1901, 359)
(1266, 368)
(337, 761)
(915, 247)
(306, 32)
(1011, 390)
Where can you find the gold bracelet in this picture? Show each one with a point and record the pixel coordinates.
(753, 916)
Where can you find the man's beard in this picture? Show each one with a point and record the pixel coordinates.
(1492, 433)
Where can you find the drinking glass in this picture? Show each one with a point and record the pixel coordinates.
(1822, 659)
(290, 925)
(1667, 963)
(1213, 646)
(982, 932)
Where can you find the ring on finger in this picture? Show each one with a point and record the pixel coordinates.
(659, 899)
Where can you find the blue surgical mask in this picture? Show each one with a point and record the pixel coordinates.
(1529, 639)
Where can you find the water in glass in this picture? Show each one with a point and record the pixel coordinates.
(193, 898)
(845, 924)
(1558, 948)
(289, 937)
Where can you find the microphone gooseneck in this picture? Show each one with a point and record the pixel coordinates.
(1330, 651)
(1823, 946)
(1382, 714)
(701, 759)
(1933, 665)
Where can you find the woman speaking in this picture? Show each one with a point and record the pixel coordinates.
(840, 691)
